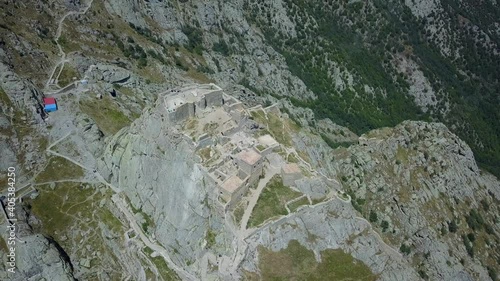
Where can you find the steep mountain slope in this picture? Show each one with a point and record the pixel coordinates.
(362, 64)
(365, 64)
(406, 201)
(420, 186)
(444, 55)
(416, 186)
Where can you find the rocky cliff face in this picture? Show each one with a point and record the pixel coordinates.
(408, 186)
(36, 256)
(156, 168)
(417, 185)
(21, 111)
(422, 188)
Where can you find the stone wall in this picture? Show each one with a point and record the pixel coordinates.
(204, 141)
(182, 112)
(235, 198)
(245, 167)
(214, 98)
(200, 105)
(254, 176)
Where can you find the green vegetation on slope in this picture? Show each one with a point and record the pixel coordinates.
(296, 262)
(295, 205)
(69, 216)
(359, 112)
(276, 126)
(239, 211)
(59, 168)
(106, 113)
(67, 75)
(272, 201)
(166, 273)
(57, 208)
(365, 40)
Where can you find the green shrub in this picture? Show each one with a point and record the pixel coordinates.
(384, 225)
(475, 220)
(222, 48)
(423, 274)
(195, 37)
(492, 273)
(471, 237)
(468, 246)
(405, 249)
(452, 226)
(373, 216)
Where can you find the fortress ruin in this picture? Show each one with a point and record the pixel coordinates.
(217, 126)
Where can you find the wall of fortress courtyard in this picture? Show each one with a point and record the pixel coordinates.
(185, 105)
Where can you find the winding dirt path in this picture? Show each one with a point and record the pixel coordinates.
(62, 54)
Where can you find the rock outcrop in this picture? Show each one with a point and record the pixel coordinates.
(37, 257)
(420, 179)
(156, 168)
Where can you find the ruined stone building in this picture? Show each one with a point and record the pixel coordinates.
(214, 120)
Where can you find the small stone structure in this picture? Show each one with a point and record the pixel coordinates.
(233, 188)
(250, 162)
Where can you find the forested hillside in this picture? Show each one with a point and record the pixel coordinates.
(455, 45)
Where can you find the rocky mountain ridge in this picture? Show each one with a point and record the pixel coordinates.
(392, 172)
(419, 207)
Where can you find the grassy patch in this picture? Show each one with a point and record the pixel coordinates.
(59, 168)
(401, 155)
(110, 220)
(259, 116)
(250, 276)
(381, 133)
(67, 75)
(205, 153)
(210, 237)
(296, 262)
(318, 200)
(70, 214)
(199, 76)
(106, 113)
(148, 223)
(3, 246)
(4, 98)
(292, 158)
(272, 201)
(333, 144)
(166, 273)
(295, 205)
(68, 148)
(191, 124)
(152, 74)
(62, 206)
(304, 155)
(277, 129)
(66, 42)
